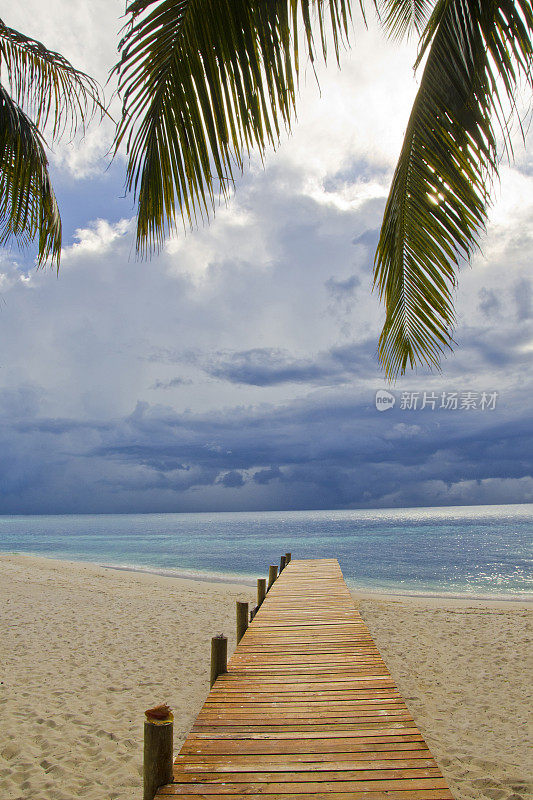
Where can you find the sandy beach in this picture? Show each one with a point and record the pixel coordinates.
(85, 650)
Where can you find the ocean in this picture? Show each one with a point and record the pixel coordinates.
(474, 551)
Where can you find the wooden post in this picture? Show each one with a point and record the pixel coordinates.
(282, 563)
(272, 575)
(158, 747)
(219, 656)
(242, 619)
(261, 590)
(287, 558)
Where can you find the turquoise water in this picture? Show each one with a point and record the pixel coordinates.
(467, 550)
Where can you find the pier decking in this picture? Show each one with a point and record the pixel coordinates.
(307, 708)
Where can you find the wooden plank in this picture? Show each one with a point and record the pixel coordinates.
(308, 776)
(204, 765)
(363, 744)
(328, 733)
(305, 787)
(294, 725)
(425, 794)
(292, 704)
(307, 708)
(305, 695)
(244, 760)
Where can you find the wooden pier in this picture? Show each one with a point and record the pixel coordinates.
(307, 708)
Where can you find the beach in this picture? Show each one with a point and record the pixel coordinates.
(86, 649)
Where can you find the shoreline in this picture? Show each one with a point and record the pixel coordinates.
(357, 592)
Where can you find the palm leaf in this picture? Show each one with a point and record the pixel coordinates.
(39, 87)
(477, 50)
(45, 85)
(28, 206)
(204, 81)
(404, 17)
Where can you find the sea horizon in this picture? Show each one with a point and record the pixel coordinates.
(269, 511)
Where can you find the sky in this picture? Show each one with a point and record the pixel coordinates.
(238, 369)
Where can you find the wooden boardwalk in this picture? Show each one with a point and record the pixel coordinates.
(307, 709)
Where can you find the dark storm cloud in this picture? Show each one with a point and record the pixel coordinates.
(231, 480)
(331, 450)
(269, 367)
(265, 367)
(506, 350)
(266, 475)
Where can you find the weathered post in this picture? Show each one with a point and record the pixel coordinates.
(287, 558)
(282, 562)
(219, 656)
(261, 590)
(272, 575)
(158, 749)
(242, 619)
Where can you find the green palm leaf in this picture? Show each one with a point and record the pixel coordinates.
(38, 88)
(28, 206)
(437, 207)
(204, 81)
(404, 17)
(44, 84)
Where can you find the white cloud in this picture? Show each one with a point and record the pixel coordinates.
(96, 239)
(194, 253)
(359, 111)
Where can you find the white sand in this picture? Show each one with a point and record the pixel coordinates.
(465, 672)
(85, 650)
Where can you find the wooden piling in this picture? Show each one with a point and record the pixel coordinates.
(158, 749)
(219, 656)
(242, 619)
(287, 558)
(272, 575)
(282, 562)
(261, 590)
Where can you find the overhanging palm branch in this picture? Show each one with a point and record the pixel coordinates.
(204, 81)
(28, 206)
(477, 50)
(39, 88)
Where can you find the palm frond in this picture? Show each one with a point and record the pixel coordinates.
(202, 82)
(404, 17)
(45, 85)
(28, 206)
(477, 50)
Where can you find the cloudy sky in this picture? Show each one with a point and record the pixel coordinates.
(238, 369)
